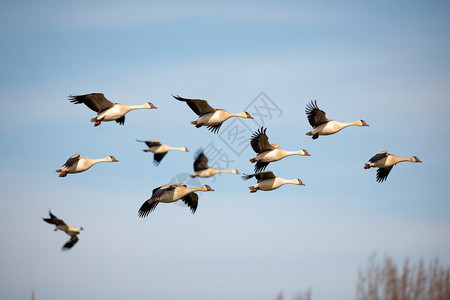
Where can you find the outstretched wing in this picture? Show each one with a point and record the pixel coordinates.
(260, 142)
(215, 128)
(316, 116)
(147, 207)
(191, 200)
(95, 101)
(200, 107)
(259, 176)
(72, 160)
(261, 166)
(382, 173)
(200, 160)
(70, 243)
(264, 175)
(53, 219)
(378, 156)
(157, 157)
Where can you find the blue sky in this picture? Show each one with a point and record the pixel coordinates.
(384, 62)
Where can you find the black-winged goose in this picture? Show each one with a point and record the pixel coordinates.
(201, 168)
(267, 181)
(322, 126)
(68, 229)
(384, 161)
(159, 150)
(267, 152)
(209, 116)
(169, 193)
(105, 109)
(77, 164)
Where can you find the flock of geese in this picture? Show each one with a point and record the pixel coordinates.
(211, 118)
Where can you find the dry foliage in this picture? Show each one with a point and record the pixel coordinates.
(386, 281)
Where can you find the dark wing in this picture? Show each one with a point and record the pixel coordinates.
(200, 160)
(316, 116)
(215, 128)
(157, 157)
(53, 219)
(260, 142)
(121, 120)
(261, 166)
(382, 173)
(191, 200)
(95, 101)
(72, 160)
(152, 143)
(259, 176)
(147, 207)
(70, 243)
(378, 156)
(200, 107)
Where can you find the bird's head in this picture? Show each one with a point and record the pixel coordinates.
(151, 106)
(248, 116)
(300, 182)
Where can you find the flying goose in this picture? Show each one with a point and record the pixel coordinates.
(105, 109)
(75, 164)
(208, 116)
(267, 181)
(384, 161)
(61, 225)
(322, 126)
(267, 152)
(202, 169)
(169, 193)
(159, 150)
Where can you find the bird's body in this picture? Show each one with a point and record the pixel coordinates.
(169, 193)
(321, 125)
(160, 150)
(201, 168)
(67, 228)
(385, 161)
(267, 181)
(209, 116)
(266, 152)
(77, 164)
(106, 110)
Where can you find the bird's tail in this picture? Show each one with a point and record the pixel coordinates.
(309, 133)
(94, 119)
(58, 171)
(194, 122)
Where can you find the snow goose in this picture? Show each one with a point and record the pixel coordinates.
(77, 164)
(105, 109)
(208, 116)
(267, 152)
(169, 193)
(322, 126)
(384, 161)
(267, 181)
(61, 225)
(201, 168)
(159, 150)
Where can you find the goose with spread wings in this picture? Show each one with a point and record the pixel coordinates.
(77, 164)
(105, 109)
(321, 125)
(201, 168)
(267, 181)
(385, 161)
(169, 193)
(160, 150)
(209, 116)
(266, 152)
(67, 228)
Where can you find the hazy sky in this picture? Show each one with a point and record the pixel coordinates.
(387, 63)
